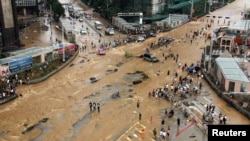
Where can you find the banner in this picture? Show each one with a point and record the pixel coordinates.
(20, 64)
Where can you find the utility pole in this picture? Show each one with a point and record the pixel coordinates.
(50, 21)
(205, 7)
(209, 5)
(210, 53)
(63, 43)
(191, 11)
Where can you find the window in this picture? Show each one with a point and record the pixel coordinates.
(243, 87)
(223, 42)
(25, 3)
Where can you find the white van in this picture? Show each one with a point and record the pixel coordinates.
(98, 25)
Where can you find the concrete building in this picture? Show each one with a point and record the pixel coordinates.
(27, 8)
(150, 7)
(232, 74)
(9, 34)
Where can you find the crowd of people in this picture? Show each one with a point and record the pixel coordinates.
(8, 87)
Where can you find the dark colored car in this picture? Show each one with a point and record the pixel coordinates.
(193, 69)
(130, 39)
(150, 57)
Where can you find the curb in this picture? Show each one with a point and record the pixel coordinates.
(53, 72)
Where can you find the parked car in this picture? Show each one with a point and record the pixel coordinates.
(150, 57)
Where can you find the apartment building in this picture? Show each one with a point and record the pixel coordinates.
(150, 7)
(9, 36)
(27, 8)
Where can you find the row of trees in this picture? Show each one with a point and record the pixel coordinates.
(108, 8)
(55, 6)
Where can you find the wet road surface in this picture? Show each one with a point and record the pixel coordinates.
(64, 98)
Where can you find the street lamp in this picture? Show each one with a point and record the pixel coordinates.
(62, 43)
(209, 5)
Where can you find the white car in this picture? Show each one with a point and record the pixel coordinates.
(110, 31)
(83, 31)
(140, 39)
(81, 19)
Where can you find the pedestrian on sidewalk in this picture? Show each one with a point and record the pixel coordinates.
(224, 119)
(178, 121)
(162, 122)
(168, 131)
(166, 112)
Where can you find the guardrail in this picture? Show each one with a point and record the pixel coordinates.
(192, 116)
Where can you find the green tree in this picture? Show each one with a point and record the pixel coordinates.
(57, 8)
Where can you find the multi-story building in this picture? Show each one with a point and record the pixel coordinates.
(9, 34)
(27, 8)
(149, 7)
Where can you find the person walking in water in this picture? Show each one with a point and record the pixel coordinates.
(138, 104)
(90, 106)
(142, 133)
(140, 117)
(162, 122)
(98, 107)
(154, 133)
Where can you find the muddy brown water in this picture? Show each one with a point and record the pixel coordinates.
(63, 98)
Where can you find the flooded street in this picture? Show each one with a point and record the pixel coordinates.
(58, 109)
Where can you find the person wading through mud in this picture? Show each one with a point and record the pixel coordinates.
(138, 104)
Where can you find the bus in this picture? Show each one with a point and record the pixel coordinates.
(98, 25)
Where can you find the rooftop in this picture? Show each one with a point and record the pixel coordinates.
(231, 69)
(33, 51)
(240, 25)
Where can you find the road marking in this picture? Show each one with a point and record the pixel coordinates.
(207, 99)
(135, 135)
(142, 126)
(185, 128)
(199, 107)
(128, 139)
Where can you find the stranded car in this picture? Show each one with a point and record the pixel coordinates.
(100, 51)
(150, 57)
(110, 31)
(81, 19)
(83, 31)
(140, 39)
